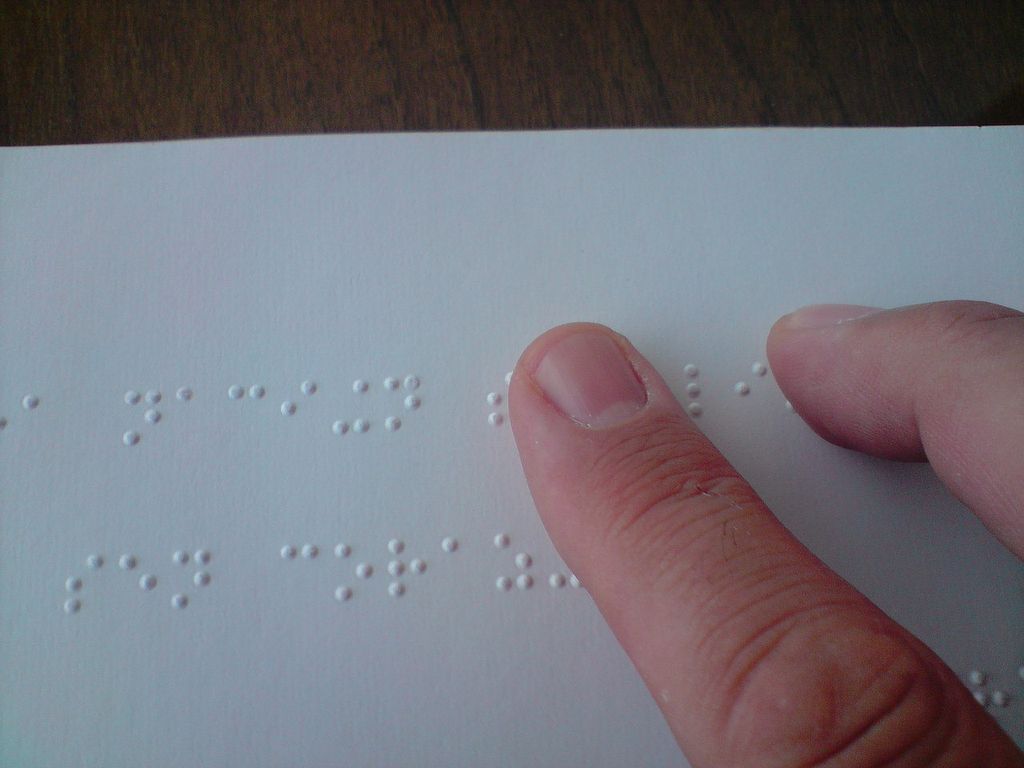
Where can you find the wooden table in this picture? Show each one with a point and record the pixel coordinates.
(115, 70)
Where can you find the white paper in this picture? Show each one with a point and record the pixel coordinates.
(275, 261)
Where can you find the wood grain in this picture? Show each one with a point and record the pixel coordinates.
(116, 70)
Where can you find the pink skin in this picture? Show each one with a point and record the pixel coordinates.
(756, 653)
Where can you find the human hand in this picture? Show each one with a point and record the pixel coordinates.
(757, 653)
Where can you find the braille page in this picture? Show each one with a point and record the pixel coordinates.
(260, 503)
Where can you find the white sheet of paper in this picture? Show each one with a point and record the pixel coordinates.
(274, 261)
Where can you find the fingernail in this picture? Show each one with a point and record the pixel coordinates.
(824, 315)
(587, 377)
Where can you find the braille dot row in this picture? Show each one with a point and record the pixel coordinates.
(153, 396)
(997, 698)
(523, 581)
(362, 426)
(147, 581)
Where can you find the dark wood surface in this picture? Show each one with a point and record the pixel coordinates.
(114, 70)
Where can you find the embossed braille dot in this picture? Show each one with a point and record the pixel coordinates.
(981, 697)
(343, 594)
(977, 677)
(693, 389)
(310, 551)
(308, 387)
(695, 409)
(524, 581)
(153, 397)
(201, 579)
(185, 394)
(30, 402)
(523, 561)
(396, 546)
(131, 437)
(691, 370)
(1020, 673)
(74, 605)
(556, 580)
(502, 540)
(449, 544)
(73, 584)
(493, 398)
(360, 385)
(508, 378)
(392, 423)
(495, 419)
(257, 392)
(127, 562)
(574, 581)
(131, 397)
(339, 427)
(741, 388)
(203, 556)
(236, 391)
(342, 550)
(364, 570)
(181, 557)
(3, 423)
(153, 416)
(1000, 698)
(411, 383)
(412, 402)
(503, 583)
(361, 425)
(288, 408)
(95, 562)
(758, 369)
(288, 552)
(147, 582)
(396, 589)
(396, 567)
(180, 601)
(391, 383)
(417, 566)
